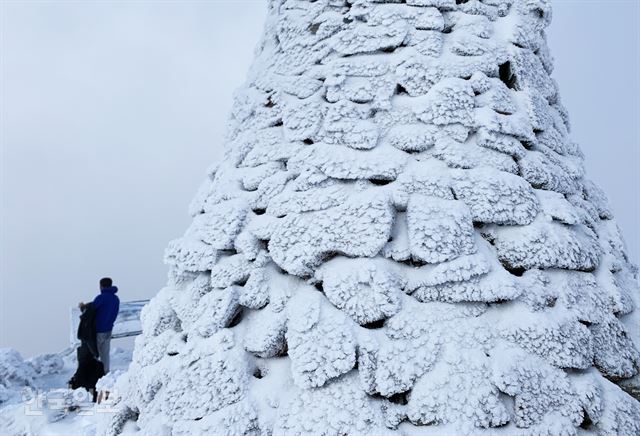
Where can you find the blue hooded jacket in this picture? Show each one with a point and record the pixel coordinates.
(107, 305)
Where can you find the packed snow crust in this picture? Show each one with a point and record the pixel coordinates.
(400, 240)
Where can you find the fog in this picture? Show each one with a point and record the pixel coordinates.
(112, 111)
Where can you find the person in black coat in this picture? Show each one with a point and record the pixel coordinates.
(90, 369)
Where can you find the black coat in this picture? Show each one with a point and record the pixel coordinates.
(87, 326)
(90, 369)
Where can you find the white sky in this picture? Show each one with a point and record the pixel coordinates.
(111, 111)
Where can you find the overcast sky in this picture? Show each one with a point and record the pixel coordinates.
(111, 111)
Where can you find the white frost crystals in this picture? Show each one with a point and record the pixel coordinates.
(400, 240)
(16, 374)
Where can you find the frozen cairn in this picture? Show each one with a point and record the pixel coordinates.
(400, 239)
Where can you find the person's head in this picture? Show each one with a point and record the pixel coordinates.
(105, 282)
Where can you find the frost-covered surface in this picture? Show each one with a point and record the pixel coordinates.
(17, 374)
(38, 402)
(400, 240)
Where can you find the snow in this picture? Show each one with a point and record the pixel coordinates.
(342, 162)
(265, 335)
(304, 410)
(495, 196)
(14, 373)
(401, 239)
(547, 244)
(359, 227)
(38, 401)
(449, 101)
(362, 288)
(439, 229)
(320, 340)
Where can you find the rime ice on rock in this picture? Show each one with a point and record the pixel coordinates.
(19, 375)
(399, 240)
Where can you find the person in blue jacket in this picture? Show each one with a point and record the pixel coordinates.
(106, 306)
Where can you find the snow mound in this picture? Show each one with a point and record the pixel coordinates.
(15, 373)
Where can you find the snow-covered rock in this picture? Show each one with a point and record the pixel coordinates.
(401, 239)
(40, 403)
(15, 373)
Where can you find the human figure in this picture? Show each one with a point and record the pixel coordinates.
(106, 306)
(90, 369)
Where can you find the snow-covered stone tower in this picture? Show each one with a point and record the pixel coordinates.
(400, 240)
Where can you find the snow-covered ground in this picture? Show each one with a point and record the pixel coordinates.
(35, 400)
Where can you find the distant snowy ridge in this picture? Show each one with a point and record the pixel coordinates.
(400, 240)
